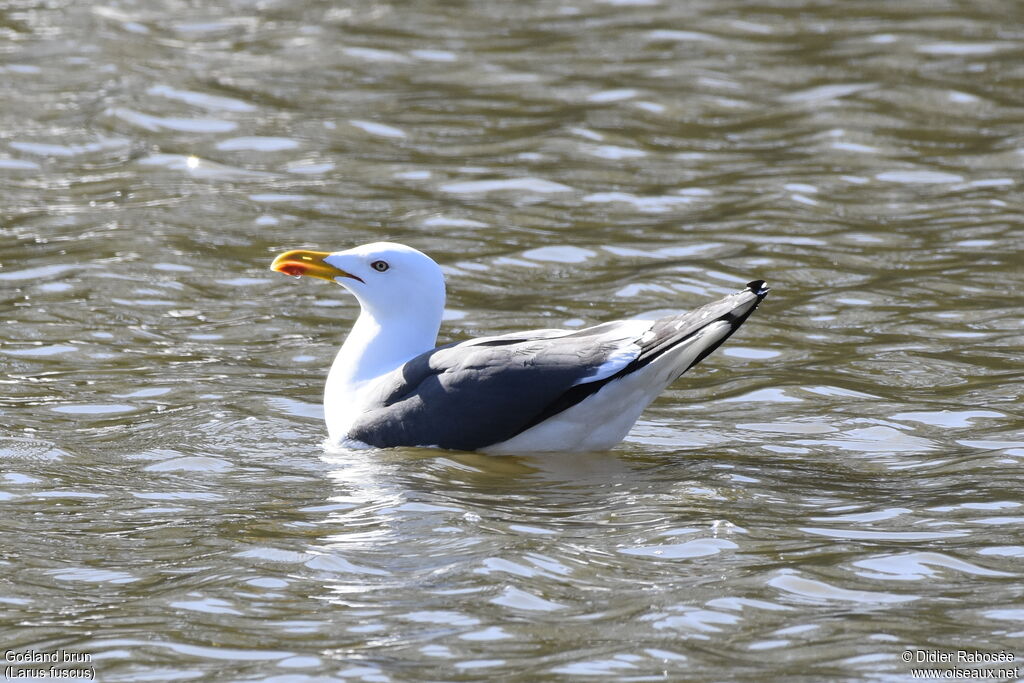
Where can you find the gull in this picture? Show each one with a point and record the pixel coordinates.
(533, 391)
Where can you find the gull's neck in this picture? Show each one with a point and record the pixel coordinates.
(374, 348)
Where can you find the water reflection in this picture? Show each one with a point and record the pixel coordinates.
(838, 485)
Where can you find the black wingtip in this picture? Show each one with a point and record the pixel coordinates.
(759, 287)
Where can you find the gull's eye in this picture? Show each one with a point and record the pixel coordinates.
(380, 266)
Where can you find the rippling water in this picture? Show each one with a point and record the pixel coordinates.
(839, 484)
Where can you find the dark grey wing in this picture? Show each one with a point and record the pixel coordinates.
(665, 334)
(471, 395)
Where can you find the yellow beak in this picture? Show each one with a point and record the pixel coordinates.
(311, 263)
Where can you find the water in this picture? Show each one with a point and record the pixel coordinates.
(838, 485)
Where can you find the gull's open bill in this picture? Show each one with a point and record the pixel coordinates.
(539, 390)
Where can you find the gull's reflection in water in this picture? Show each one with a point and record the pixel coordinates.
(406, 515)
(449, 472)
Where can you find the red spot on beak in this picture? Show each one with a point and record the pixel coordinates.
(293, 269)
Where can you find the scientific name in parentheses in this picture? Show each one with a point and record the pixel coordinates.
(14, 672)
(55, 657)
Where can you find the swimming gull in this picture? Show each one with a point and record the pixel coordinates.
(539, 390)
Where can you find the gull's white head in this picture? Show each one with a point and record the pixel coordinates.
(392, 282)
